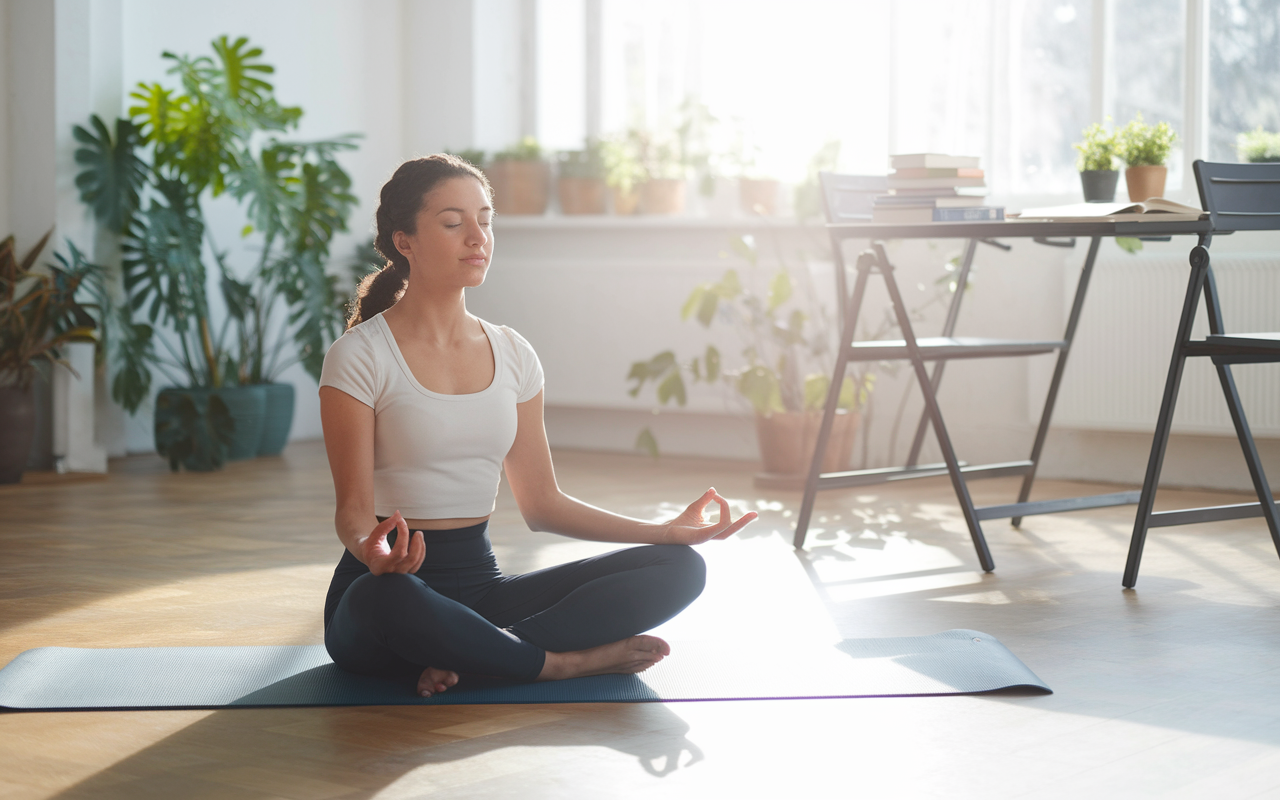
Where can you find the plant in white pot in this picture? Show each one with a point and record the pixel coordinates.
(1145, 149)
(1098, 174)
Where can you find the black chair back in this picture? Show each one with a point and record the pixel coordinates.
(1240, 197)
(847, 198)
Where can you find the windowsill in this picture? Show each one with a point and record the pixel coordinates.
(605, 222)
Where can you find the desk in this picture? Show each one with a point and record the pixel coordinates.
(919, 350)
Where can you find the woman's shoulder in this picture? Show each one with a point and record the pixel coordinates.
(513, 337)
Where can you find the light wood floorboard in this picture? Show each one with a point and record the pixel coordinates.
(1172, 690)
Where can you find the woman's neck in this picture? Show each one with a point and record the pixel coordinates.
(439, 317)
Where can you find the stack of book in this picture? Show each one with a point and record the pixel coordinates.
(932, 187)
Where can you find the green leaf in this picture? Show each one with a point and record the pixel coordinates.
(712, 359)
(647, 443)
(112, 173)
(759, 385)
(1129, 244)
(672, 387)
(694, 302)
(730, 286)
(816, 387)
(707, 308)
(779, 289)
(745, 246)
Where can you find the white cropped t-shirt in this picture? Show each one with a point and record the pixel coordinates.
(436, 456)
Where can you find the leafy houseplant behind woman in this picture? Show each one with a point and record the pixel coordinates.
(217, 134)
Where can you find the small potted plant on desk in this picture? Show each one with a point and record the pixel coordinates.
(39, 314)
(521, 179)
(1098, 175)
(1259, 146)
(784, 375)
(1144, 149)
(581, 185)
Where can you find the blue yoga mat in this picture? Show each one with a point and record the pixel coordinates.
(953, 662)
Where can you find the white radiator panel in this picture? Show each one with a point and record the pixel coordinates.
(1118, 364)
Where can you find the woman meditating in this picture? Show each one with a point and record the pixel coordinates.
(423, 405)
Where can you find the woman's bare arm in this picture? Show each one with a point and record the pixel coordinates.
(348, 439)
(532, 477)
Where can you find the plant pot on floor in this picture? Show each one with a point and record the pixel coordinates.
(520, 187)
(581, 195)
(17, 428)
(201, 429)
(662, 196)
(1145, 182)
(278, 418)
(1099, 185)
(787, 440)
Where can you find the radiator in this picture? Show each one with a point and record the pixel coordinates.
(1120, 359)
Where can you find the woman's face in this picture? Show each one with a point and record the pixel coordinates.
(453, 242)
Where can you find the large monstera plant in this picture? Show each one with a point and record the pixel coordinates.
(220, 131)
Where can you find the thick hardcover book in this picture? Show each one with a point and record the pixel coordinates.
(945, 172)
(943, 201)
(932, 183)
(932, 161)
(930, 214)
(1157, 209)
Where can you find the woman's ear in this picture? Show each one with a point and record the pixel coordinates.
(401, 240)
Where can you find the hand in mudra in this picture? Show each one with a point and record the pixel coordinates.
(405, 557)
(692, 526)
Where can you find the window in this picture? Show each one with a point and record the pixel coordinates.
(1244, 71)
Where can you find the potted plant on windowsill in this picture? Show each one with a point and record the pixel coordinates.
(1144, 149)
(1259, 146)
(521, 179)
(1098, 175)
(39, 313)
(146, 184)
(581, 185)
(784, 375)
(665, 171)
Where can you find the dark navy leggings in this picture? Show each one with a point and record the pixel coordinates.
(459, 612)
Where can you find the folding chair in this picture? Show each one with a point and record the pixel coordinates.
(1238, 197)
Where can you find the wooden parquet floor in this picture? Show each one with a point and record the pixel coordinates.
(1172, 690)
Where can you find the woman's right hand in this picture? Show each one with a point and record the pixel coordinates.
(405, 557)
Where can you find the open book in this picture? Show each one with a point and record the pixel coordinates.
(1157, 209)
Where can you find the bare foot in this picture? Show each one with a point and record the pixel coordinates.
(433, 680)
(635, 654)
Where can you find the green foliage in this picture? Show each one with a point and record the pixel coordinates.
(472, 156)
(193, 428)
(647, 443)
(1143, 145)
(527, 149)
(1129, 244)
(1258, 146)
(585, 163)
(1097, 149)
(39, 310)
(216, 132)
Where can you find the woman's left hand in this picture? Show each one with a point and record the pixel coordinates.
(692, 527)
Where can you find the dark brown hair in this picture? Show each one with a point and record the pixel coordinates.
(401, 200)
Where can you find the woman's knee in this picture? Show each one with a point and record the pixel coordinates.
(374, 592)
(688, 568)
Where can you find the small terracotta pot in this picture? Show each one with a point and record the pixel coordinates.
(787, 440)
(625, 203)
(520, 187)
(581, 195)
(1145, 182)
(662, 196)
(759, 197)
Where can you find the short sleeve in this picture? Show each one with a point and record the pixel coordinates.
(350, 365)
(531, 378)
